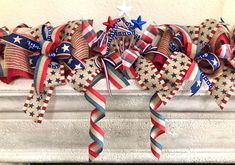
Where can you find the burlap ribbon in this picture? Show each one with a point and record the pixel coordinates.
(16, 54)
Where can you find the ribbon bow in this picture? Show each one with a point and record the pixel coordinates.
(46, 52)
(105, 63)
(203, 61)
(52, 51)
(141, 48)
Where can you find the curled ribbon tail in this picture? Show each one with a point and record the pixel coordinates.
(96, 133)
(158, 128)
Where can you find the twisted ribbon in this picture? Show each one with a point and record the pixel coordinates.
(96, 133)
(83, 80)
(142, 48)
(159, 125)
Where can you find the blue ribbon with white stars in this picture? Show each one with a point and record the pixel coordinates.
(63, 51)
(214, 62)
(22, 42)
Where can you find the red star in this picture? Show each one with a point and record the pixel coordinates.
(110, 23)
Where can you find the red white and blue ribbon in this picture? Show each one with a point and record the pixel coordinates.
(195, 72)
(96, 133)
(159, 125)
(227, 51)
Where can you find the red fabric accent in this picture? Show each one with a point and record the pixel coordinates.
(159, 61)
(14, 74)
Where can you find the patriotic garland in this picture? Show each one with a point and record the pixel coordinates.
(160, 58)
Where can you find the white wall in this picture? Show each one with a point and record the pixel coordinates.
(34, 12)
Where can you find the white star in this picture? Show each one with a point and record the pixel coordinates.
(70, 60)
(31, 61)
(198, 83)
(78, 66)
(124, 9)
(30, 47)
(215, 62)
(205, 55)
(65, 48)
(17, 39)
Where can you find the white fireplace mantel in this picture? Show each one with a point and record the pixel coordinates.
(197, 131)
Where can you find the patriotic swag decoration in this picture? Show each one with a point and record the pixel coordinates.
(160, 58)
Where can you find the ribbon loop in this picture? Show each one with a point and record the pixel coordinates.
(227, 51)
(47, 47)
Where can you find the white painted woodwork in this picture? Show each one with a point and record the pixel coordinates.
(197, 131)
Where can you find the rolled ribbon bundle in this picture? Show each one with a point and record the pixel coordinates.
(16, 54)
(163, 49)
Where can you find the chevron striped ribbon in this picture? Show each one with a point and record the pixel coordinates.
(88, 33)
(158, 128)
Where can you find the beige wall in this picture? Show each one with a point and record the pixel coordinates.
(34, 12)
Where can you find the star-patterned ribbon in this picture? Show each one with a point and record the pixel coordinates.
(164, 82)
(52, 50)
(50, 62)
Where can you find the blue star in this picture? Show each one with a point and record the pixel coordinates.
(138, 23)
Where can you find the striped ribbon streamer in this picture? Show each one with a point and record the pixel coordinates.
(158, 128)
(96, 132)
